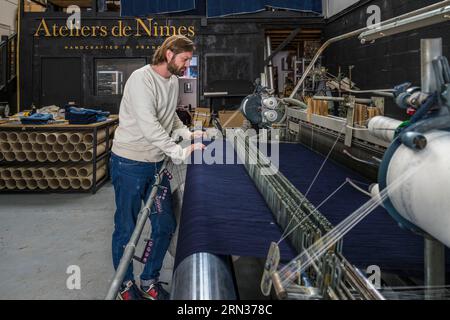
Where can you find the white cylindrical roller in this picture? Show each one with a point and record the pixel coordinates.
(31, 156)
(32, 137)
(41, 156)
(2, 184)
(31, 184)
(12, 137)
(37, 147)
(20, 156)
(75, 183)
(27, 147)
(75, 138)
(62, 138)
(57, 147)
(27, 173)
(51, 138)
(10, 184)
(16, 173)
(42, 184)
(69, 147)
(52, 156)
(423, 199)
(61, 172)
(5, 173)
(23, 137)
(383, 127)
(53, 184)
(38, 173)
(5, 147)
(64, 156)
(64, 183)
(41, 138)
(3, 136)
(47, 147)
(375, 192)
(9, 156)
(21, 184)
(75, 156)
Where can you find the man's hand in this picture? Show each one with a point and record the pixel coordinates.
(195, 146)
(198, 134)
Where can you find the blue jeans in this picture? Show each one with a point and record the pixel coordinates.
(133, 181)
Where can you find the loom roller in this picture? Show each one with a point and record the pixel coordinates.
(421, 204)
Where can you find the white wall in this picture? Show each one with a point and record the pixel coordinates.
(332, 7)
(8, 14)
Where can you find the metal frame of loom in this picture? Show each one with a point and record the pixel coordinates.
(331, 276)
(362, 141)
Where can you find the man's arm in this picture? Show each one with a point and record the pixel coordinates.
(180, 129)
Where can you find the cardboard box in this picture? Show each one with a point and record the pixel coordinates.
(202, 116)
(231, 119)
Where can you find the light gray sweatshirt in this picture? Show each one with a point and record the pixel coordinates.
(147, 118)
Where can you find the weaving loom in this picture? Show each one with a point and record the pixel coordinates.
(413, 176)
(212, 225)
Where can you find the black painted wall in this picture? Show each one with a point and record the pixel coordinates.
(387, 62)
(241, 38)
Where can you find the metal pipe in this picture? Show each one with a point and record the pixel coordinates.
(407, 24)
(434, 267)
(434, 250)
(430, 50)
(203, 276)
(341, 99)
(269, 67)
(358, 32)
(385, 93)
(131, 246)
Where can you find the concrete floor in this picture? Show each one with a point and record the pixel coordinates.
(41, 235)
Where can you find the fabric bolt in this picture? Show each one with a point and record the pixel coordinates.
(37, 118)
(224, 213)
(85, 116)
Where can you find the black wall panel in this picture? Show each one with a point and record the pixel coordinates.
(387, 62)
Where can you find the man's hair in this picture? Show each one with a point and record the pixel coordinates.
(177, 44)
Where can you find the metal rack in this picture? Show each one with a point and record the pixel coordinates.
(93, 129)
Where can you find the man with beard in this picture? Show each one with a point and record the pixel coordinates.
(147, 118)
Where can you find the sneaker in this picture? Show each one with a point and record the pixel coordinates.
(129, 291)
(155, 291)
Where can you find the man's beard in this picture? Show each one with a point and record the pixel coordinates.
(174, 69)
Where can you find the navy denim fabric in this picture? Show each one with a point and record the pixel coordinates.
(133, 181)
